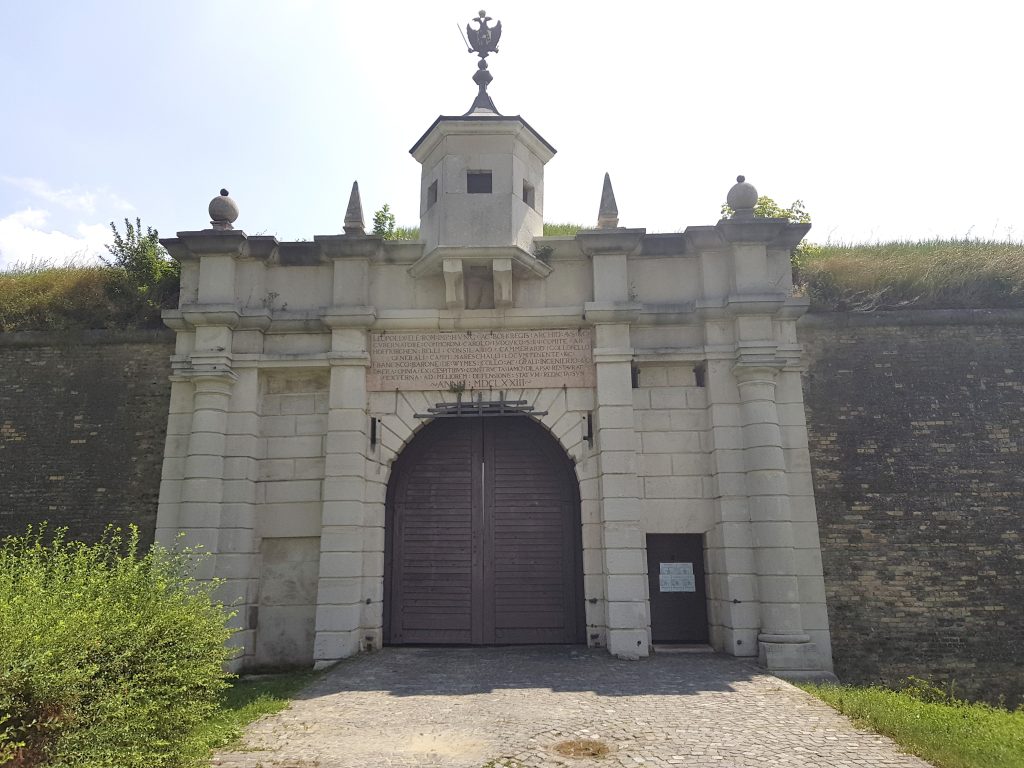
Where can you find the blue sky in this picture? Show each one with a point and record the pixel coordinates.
(889, 120)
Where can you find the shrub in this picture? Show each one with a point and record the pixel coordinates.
(108, 658)
(143, 279)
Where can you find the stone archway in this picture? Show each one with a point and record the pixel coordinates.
(483, 542)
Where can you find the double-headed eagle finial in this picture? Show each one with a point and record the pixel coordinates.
(484, 40)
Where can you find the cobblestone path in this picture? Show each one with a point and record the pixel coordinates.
(509, 707)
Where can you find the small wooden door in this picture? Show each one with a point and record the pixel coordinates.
(675, 574)
(483, 537)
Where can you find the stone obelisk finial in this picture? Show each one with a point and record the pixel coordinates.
(608, 213)
(354, 213)
(483, 41)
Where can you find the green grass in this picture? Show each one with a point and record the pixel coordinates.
(949, 733)
(40, 296)
(405, 233)
(249, 699)
(554, 229)
(931, 274)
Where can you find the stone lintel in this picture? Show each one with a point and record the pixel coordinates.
(704, 238)
(755, 303)
(662, 244)
(612, 355)
(305, 321)
(209, 374)
(611, 312)
(358, 358)
(757, 367)
(523, 262)
(481, 319)
(349, 246)
(349, 317)
(195, 315)
(300, 254)
(620, 240)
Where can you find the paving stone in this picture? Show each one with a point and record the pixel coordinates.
(508, 708)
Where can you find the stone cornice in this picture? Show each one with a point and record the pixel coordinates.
(600, 242)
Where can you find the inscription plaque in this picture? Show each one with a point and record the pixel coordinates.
(486, 360)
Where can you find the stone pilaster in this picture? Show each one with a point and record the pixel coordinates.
(238, 559)
(202, 485)
(342, 594)
(731, 571)
(625, 564)
(783, 646)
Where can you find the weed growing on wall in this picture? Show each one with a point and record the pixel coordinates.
(108, 657)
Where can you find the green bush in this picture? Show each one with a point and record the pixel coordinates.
(143, 279)
(108, 658)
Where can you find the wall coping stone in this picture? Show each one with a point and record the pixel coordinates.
(86, 338)
(908, 317)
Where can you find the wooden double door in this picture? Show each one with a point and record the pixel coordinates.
(483, 537)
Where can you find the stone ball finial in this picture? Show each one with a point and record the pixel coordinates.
(742, 198)
(223, 211)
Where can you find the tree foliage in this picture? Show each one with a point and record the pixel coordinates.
(767, 208)
(145, 277)
(384, 223)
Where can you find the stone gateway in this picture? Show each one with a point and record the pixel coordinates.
(489, 436)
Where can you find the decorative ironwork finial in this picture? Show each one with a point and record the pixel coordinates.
(483, 41)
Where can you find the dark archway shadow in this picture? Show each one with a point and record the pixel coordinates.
(460, 671)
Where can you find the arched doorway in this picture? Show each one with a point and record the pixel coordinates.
(483, 537)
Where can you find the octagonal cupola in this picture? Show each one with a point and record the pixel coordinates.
(482, 182)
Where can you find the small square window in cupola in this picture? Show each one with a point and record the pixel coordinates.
(432, 193)
(478, 182)
(529, 195)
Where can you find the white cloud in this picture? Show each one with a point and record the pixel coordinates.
(74, 199)
(24, 238)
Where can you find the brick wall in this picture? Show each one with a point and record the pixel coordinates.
(82, 422)
(917, 445)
